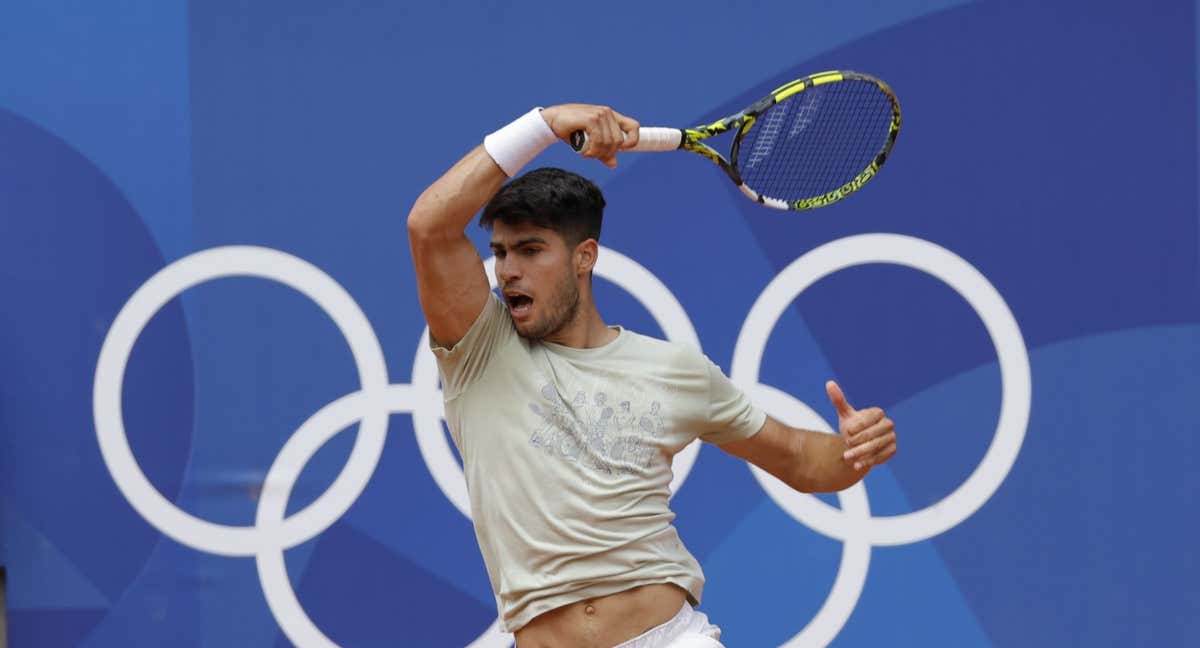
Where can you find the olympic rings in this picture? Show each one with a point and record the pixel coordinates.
(1014, 371)
(172, 281)
(274, 531)
(852, 524)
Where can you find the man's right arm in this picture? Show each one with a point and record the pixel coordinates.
(451, 283)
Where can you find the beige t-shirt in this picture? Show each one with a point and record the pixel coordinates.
(567, 456)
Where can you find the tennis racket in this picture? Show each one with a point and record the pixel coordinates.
(808, 144)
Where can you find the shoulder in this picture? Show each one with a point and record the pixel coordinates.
(494, 316)
(491, 339)
(678, 354)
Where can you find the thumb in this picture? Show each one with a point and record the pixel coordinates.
(838, 399)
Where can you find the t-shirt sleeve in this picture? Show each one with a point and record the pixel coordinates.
(462, 364)
(732, 417)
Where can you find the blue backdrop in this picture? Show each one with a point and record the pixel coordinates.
(1051, 146)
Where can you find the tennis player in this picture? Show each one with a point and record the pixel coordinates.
(566, 425)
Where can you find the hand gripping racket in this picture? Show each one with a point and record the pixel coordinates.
(808, 144)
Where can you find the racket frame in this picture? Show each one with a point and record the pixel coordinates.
(693, 139)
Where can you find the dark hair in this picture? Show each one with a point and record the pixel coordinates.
(559, 200)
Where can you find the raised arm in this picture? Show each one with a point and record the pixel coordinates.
(451, 283)
(814, 462)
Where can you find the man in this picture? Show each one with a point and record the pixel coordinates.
(567, 426)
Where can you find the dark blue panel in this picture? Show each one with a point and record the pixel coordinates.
(361, 594)
(51, 627)
(72, 252)
(1086, 535)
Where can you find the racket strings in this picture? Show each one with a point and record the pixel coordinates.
(815, 141)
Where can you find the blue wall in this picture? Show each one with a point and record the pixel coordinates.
(1051, 146)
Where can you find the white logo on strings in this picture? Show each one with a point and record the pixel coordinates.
(807, 112)
(766, 136)
(274, 531)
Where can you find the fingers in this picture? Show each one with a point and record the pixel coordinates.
(614, 137)
(629, 127)
(879, 457)
(860, 420)
(603, 139)
(872, 446)
(838, 399)
(860, 443)
(870, 435)
(607, 130)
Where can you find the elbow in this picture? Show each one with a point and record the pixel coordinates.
(432, 222)
(424, 227)
(420, 224)
(422, 218)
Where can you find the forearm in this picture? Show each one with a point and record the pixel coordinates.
(808, 461)
(813, 462)
(448, 205)
(819, 465)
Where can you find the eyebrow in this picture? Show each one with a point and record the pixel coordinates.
(497, 245)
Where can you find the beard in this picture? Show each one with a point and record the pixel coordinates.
(561, 311)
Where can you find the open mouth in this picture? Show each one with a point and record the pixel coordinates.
(518, 304)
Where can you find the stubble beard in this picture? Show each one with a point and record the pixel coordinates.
(564, 306)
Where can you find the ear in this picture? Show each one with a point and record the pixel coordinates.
(585, 256)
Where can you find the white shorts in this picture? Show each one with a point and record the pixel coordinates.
(687, 629)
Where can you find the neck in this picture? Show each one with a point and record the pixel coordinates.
(587, 329)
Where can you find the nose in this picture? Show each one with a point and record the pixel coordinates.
(507, 270)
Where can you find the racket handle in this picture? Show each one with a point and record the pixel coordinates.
(651, 139)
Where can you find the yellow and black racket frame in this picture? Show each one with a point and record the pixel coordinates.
(744, 120)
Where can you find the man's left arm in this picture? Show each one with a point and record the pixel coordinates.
(814, 462)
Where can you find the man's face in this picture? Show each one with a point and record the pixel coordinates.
(535, 272)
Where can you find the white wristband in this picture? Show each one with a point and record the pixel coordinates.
(515, 145)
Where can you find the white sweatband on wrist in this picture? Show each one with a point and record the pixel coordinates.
(515, 145)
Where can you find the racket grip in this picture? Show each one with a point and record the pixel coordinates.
(651, 139)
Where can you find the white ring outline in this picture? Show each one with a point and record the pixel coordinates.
(165, 285)
(283, 474)
(1016, 383)
(856, 550)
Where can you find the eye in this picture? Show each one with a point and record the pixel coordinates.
(530, 251)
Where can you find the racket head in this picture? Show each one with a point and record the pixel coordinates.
(815, 140)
